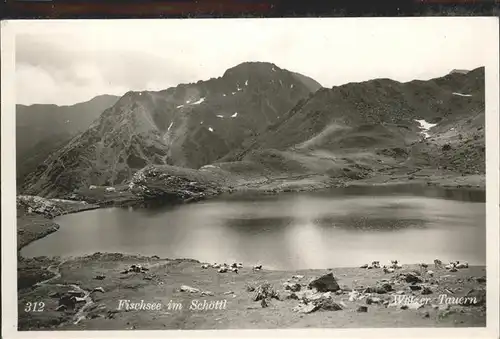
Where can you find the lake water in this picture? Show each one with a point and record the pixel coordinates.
(338, 228)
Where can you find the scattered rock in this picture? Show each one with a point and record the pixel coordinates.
(99, 277)
(362, 309)
(98, 289)
(346, 288)
(415, 287)
(298, 277)
(185, 288)
(55, 295)
(111, 314)
(294, 287)
(373, 300)
(425, 314)
(207, 293)
(426, 290)
(250, 288)
(325, 283)
(379, 289)
(79, 294)
(68, 301)
(446, 313)
(61, 307)
(265, 291)
(415, 306)
(411, 278)
(305, 308)
(327, 304)
(228, 293)
(481, 280)
(353, 295)
(479, 297)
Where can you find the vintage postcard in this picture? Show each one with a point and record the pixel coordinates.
(325, 177)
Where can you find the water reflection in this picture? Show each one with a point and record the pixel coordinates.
(327, 229)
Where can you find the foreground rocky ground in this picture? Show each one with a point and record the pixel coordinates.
(186, 296)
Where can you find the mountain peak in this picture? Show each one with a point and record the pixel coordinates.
(251, 67)
(459, 71)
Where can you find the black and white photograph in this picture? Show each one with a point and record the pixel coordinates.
(237, 174)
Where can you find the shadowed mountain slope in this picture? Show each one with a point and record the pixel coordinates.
(42, 129)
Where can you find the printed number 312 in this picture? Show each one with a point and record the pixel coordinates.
(34, 307)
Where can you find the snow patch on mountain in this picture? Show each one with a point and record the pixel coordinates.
(461, 94)
(425, 126)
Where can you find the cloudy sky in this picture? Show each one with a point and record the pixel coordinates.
(65, 62)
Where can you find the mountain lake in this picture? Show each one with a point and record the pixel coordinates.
(336, 228)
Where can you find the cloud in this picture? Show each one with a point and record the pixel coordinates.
(65, 62)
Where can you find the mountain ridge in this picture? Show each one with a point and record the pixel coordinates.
(260, 121)
(189, 125)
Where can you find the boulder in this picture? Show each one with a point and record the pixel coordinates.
(185, 288)
(411, 278)
(68, 301)
(294, 287)
(327, 304)
(325, 283)
(415, 287)
(379, 289)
